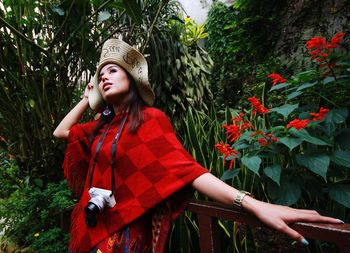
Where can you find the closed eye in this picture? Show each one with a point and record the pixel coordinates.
(113, 70)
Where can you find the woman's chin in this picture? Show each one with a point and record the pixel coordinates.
(114, 99)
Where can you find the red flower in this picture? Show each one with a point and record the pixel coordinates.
(238, 118)
(320, 115)
(235, 130)
(265, 139)
(257, 132)
(298, 123)
(232, 131)
(317, 43)
(258, 107)
(227, 151)
(276, 78)
(319, 48)
(335, 40)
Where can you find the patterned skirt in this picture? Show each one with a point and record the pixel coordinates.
(134, 238)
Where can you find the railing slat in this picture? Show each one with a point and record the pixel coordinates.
(208, 230)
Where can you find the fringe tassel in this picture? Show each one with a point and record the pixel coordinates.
(75, 166)
(74, 243)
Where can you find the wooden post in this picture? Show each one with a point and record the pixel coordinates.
(209, 234)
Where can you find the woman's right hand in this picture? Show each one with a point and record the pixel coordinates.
(87, 90)
(73, 117)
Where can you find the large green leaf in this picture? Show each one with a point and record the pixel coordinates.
(334, 117)
(294, 95)
(340, 193)
(343, 138)
(306, 76)
(193, 137)
(252, 163)
(328, 79)
(279, 86)
(305, 136)
(306, 85)
(134, 11)
(274, 172)
(287, 193)
(316, 163)
(285, 109)
(290, 142)
(229, 174)
(341, 157)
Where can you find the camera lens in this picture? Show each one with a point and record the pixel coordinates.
(90, 221)
(90, 214)
(91, 209)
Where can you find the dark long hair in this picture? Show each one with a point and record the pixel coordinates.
(132, 104)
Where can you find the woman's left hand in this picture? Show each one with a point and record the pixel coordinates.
(278, 217)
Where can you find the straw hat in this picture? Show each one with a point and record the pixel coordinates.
(119, 52)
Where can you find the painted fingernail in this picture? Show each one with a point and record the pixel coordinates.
(340, 221)
(304, 242)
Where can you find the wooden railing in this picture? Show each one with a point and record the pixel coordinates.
(208, 214)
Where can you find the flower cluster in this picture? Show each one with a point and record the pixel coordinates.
(276, 78)
(319, 49)
(320, 115)
(258, 107)
(237, 128)
(227, 151)
(265, 139)
(298, 123)
(303, 123)
(240, 125)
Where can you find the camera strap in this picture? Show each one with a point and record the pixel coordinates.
(113, 151)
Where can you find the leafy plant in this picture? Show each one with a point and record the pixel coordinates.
(239, 39)
(296, 150)
(193, 33)
(29, 217)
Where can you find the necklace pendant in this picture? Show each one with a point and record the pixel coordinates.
(106, 112)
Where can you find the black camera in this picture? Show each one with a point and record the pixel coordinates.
(100, 198)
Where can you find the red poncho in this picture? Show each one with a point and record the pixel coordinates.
(152, 167)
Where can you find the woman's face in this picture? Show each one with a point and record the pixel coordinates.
(113, 83)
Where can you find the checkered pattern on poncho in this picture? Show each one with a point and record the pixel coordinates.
(152, 167)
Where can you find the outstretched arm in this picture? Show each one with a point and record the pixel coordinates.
(74, 116)
(275, 216)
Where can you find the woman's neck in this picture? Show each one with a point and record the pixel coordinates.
(120, 109)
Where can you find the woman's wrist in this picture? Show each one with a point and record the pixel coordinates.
(249, 204)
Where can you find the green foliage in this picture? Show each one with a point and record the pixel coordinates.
(53, 240)
(31, 217)
(193, 33)
(239, 39)
(179, 72)
(10, 178)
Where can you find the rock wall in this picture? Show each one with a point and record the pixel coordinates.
(304, 19)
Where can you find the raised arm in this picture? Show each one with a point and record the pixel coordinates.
(74, 116)
(275, 216)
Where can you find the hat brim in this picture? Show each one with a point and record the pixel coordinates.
(95, 97)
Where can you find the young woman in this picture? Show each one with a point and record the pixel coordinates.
(130, 171)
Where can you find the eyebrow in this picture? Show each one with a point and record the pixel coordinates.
(113, 66)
